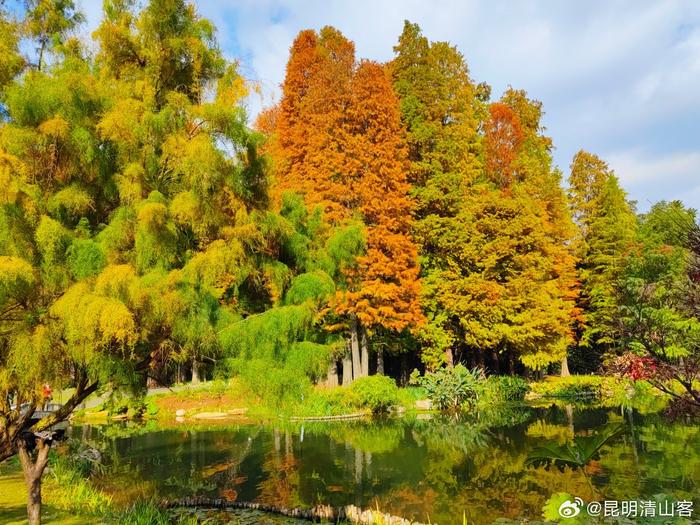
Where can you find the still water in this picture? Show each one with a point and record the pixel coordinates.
(433, 469)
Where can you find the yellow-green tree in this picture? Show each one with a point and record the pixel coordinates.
(492, 224)
(607, 228)
(511, 283)
(130, 210)
(439, 107)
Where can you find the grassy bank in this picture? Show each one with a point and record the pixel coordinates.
(233, 399)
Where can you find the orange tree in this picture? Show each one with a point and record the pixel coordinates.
(337, 141)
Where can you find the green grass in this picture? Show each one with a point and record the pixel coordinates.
(13, 500)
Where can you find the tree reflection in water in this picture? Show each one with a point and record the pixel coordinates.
(417, 468)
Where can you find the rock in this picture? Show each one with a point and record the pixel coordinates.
(210, 415)
(180, 419)
(237, 411)
(424, 404)
(180, 412)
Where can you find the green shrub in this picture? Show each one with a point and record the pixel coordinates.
(571, 387)
(133, 407)
(378, 393)
(327, 402)
(451, 388)
(151, 408)
(504, 389)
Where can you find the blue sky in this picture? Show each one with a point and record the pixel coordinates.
(618, 78)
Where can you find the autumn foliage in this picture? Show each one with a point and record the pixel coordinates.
(503, 136)
(338, 141)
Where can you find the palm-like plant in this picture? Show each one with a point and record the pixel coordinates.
(576, 454)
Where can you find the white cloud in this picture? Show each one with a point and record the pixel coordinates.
(650, 178)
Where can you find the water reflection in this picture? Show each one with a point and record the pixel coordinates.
(437, 468)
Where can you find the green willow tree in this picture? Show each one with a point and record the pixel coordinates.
(131, 210)
(291, 342)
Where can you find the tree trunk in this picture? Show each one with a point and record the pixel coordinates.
(33, 470)
(565, 367)
(403, 373)
(449, 357)
(496, 365)
(195, 372)
(511, 363)
(347, 369)
(365, 352)
(332, 377)
(380, 362)
(355, 348)
(480, 360)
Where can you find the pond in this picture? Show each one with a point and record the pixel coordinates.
(423, 468)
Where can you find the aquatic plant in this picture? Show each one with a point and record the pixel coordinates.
(576, 454)
(70, 487)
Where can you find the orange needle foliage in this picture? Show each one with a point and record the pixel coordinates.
(388, 289)
(315, 94)
(338, 141)
(503, 137)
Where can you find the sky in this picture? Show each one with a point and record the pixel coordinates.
(618, 78)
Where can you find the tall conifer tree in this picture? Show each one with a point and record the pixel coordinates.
(338, 142)
(607, 228)
(438, 109)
